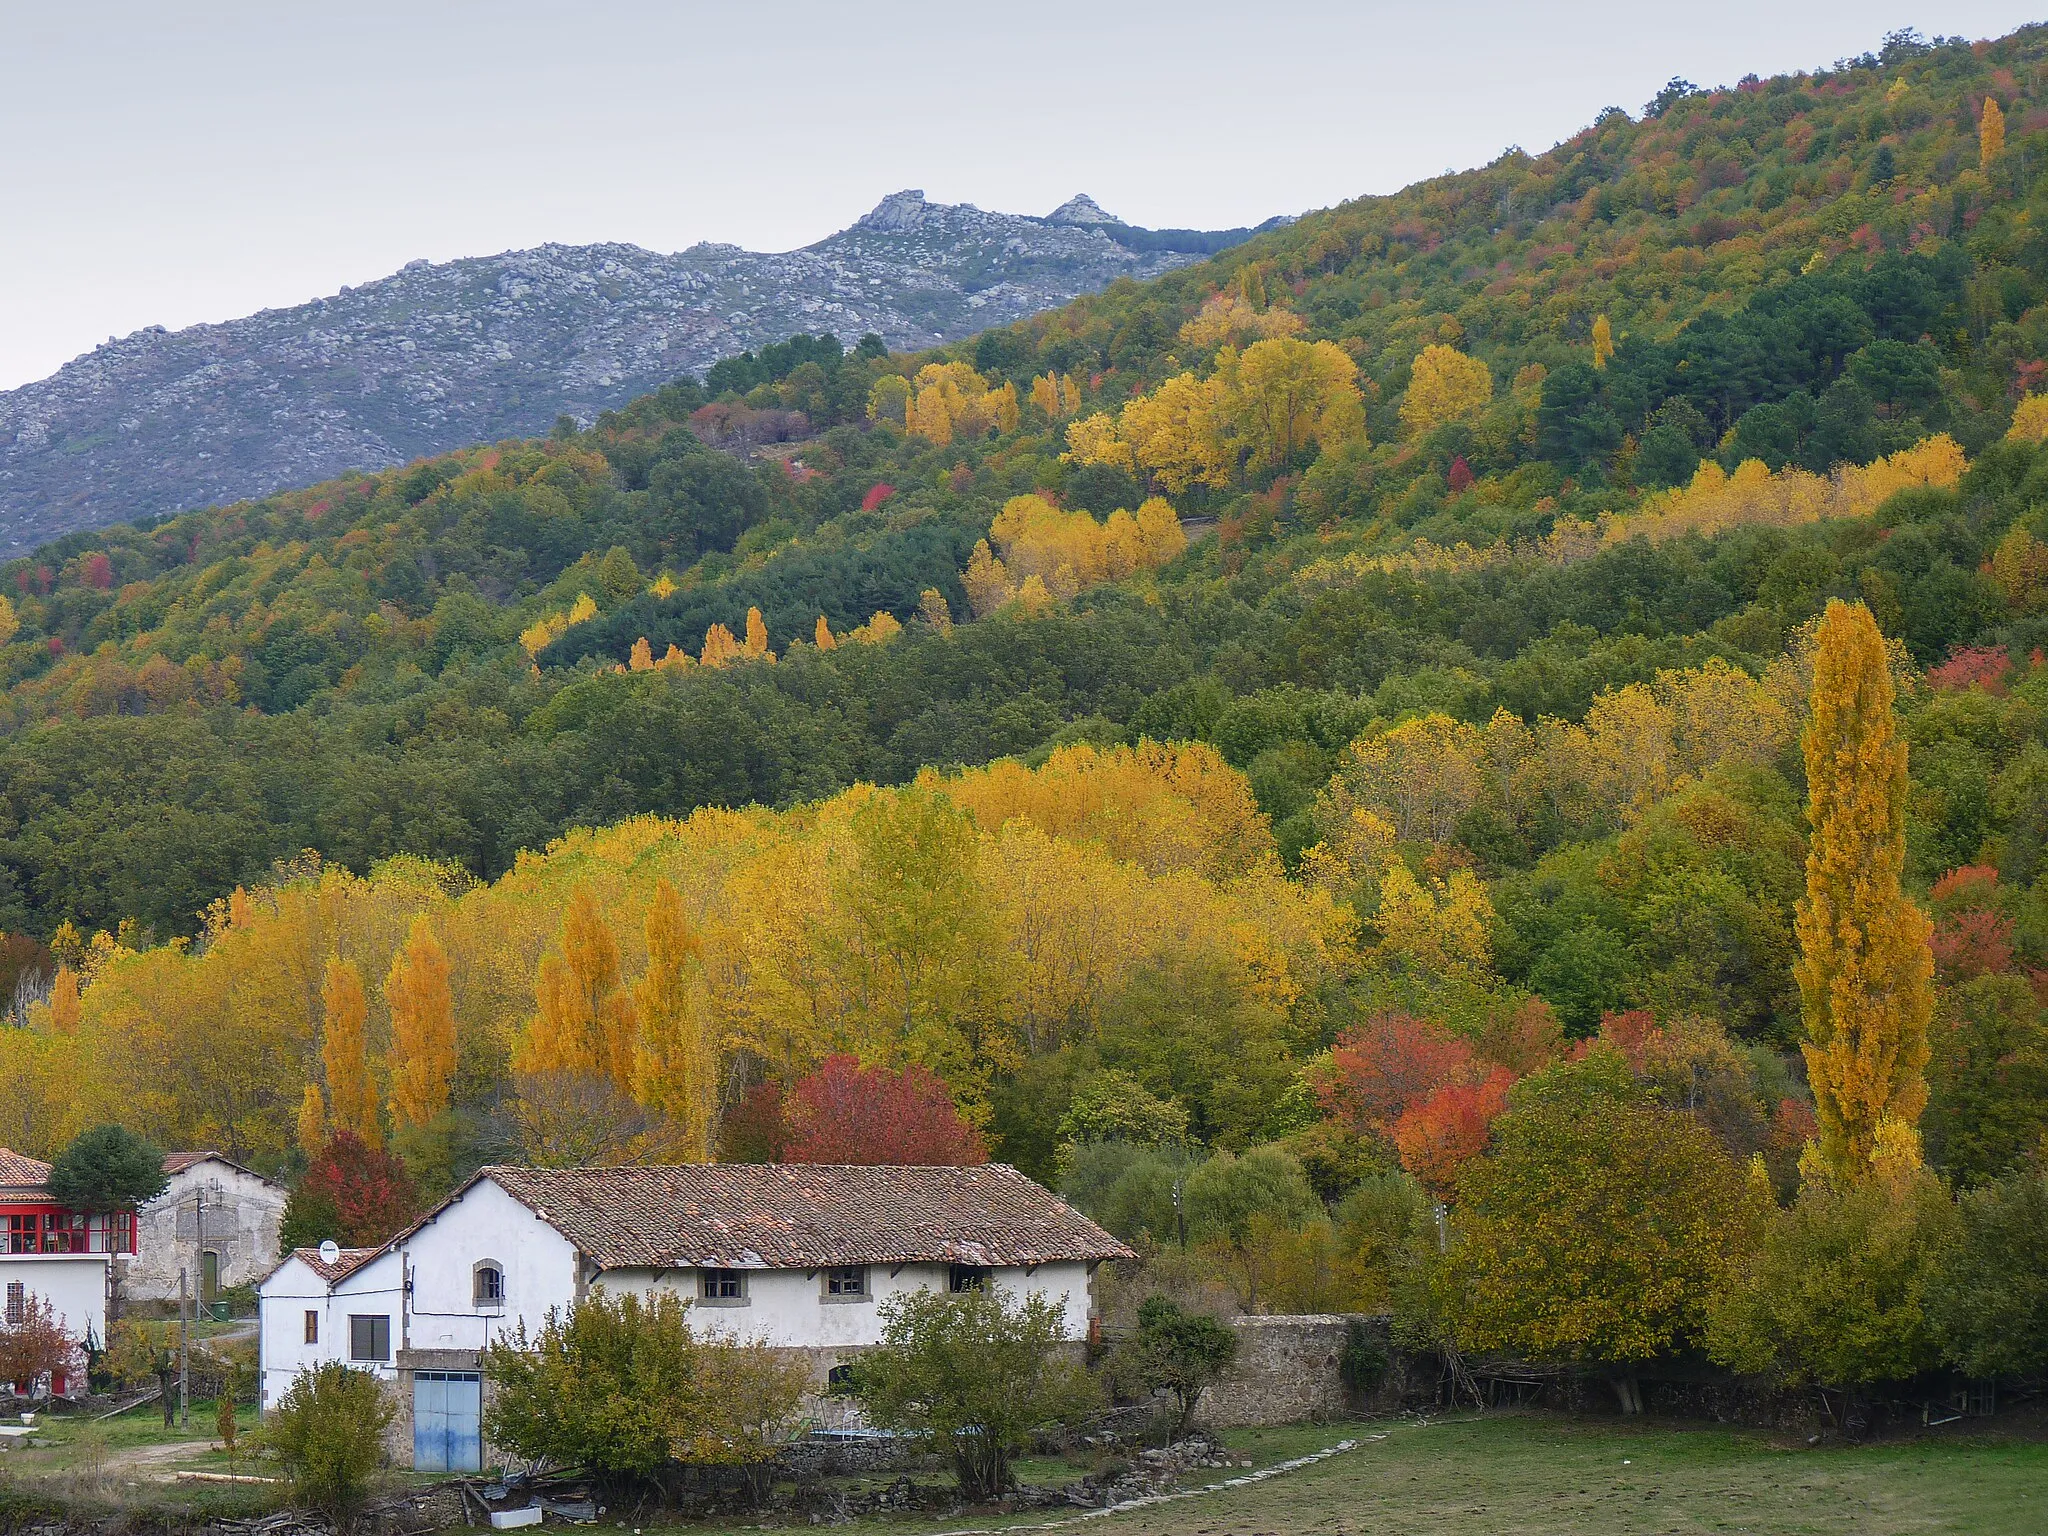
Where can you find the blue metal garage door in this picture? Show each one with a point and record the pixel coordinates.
(447, 1421)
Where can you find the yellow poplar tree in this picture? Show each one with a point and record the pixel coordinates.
(1282, 394)
(1603, 342)
(312, 1122)
(676, 1067)
(1990, 132)
(757, 635)
(823, 636)
(64, 1004)
(1865, 971)
(584, 1025)
(1177, 433)
(423, 1046)
(719, 646)
(345, 1052)
(642, 657)
(987, 581)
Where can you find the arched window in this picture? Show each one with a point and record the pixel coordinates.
(487, 1283)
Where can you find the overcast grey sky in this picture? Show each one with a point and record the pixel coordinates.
(173, 161)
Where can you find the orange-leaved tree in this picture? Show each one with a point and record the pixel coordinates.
(1865, 969)
(423, 1045)
(584, 1025)
(65, 1008)
(312, 1126)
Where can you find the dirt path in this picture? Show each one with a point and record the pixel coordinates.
(155, 1463)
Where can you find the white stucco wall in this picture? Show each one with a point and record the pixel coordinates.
(74, 1284)
(788, 1308)
(538, 1263)
(242, 1214)
(291, 1292)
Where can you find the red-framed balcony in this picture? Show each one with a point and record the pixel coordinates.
(49, 1229)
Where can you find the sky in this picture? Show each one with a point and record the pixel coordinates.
(169, 162)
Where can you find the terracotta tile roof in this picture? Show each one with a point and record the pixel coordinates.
(18, 1172)
(178, 1162)
(351, 1260)
(805, 1215)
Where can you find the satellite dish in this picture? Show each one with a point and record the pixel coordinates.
(330, 1252)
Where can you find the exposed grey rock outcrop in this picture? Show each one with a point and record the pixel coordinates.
(1081, 209)
(439, 355)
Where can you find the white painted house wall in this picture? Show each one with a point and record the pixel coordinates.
(441, 1323)
(788, 1308)
(74, 1284)
(294, 1289)
(486, 1224)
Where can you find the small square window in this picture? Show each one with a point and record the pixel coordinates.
(839, 1381)
(369, 1338)
(488, 1286)
(847, 1280)
(970, 1277)
(312, 1327)
(723, 1285)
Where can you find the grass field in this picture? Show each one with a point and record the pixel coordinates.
(1550, 1476)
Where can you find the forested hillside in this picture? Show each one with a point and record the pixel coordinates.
(1471, 542)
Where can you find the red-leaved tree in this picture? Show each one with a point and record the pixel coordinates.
(1381, 1067)
(1972, 666)
(36, 1346)
(846, 1113)
(1971, 937)
(351, 1193)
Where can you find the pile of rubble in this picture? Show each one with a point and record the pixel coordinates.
(1161, 1468)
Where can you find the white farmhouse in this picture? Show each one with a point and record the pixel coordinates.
(52, 1255)
(216, 1221)
(794, 1255)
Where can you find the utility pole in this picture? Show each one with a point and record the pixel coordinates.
(199, 1244)
(184, 1356)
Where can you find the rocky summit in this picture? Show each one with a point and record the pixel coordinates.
(442, 354)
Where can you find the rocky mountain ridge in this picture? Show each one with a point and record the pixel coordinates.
(442, 354)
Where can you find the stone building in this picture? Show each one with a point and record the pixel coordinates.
(216, 1220)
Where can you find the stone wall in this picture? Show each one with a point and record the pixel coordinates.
(1287, 1369)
